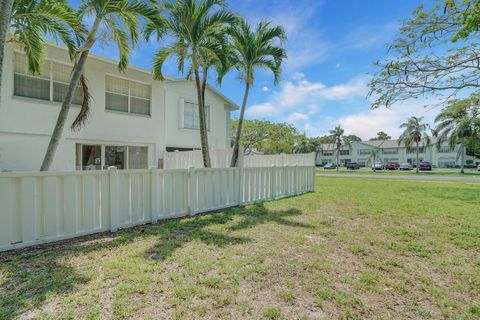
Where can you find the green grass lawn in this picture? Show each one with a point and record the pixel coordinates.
(352, 250)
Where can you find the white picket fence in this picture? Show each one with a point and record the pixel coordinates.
(221, 158)
(49, 206)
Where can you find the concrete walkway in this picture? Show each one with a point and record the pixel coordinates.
(400, 177)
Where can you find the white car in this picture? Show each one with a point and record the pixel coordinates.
(378, 166)
(478, 167)
(406, 166)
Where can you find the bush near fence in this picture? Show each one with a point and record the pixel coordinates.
(49, 206)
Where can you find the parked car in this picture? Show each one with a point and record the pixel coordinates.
(353, 166)
(478, 168)
(378, 166)
(391, 166)
(425, 166)
(405, 166)
(329, 166)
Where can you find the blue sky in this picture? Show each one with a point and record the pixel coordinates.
(331, 48)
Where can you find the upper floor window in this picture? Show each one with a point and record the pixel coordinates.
(191, 118)
(127, 96)
(51, 84)
(344, 152)
(390, 151)
(327, 152)
(364, 151)
(445, 149)
(414, 150)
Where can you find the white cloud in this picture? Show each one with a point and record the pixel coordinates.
(301, 93)
(297, 116)
(367, 124)
(265, 89)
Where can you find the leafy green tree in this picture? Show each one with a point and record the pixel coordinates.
(339, 140)
(427, 57)
(265, 136)
(472, 146)
(30, 21)
(414, 132)
(197, 29)
(352, 137)
(381, 136)
(259, 48)
(458, 122)
(374, 155)
(121, 18)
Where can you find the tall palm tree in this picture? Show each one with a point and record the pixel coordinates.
(197, 29)
(122, 19)
(414, 132)
(337, 135)
(456, 123)
(30, 20)
(373, 155)
(261, 48)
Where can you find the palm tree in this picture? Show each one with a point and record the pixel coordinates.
(414, 132)
(122, 19)
(306, 145)
(198, 29)
(30, 21)
(373, 155)
(456, 123)
(337, 135)
(253, 49)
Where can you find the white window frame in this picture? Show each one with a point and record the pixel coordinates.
(182, 114)
(103, 145)
(129, 96)
(50, 78)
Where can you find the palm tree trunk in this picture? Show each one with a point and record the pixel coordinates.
(338, 158)
(5, 14)
(201, 113)
(236, 146)
(374, 169)
(62, 116)
(462, 156)
(417, 159)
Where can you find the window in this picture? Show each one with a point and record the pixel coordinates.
(137, 157)
(98, 157)
(191, 118)
(364, 151)
(390, 151)
(344, 152)
(327, 152)
(414, 150)
(50, 85)
(445, 149)
(127, 96)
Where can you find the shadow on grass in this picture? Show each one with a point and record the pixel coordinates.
(29, 276)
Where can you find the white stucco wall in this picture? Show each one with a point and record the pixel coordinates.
(176, 136)
(26, 124)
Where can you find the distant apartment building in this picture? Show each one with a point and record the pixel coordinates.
(391, 151)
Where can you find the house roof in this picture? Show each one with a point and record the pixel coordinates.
(382, 144)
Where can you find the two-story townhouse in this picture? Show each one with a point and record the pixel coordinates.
(391, 151)
(133, 117)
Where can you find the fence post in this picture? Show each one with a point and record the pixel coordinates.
(273, 181)
(192, 191)
(113, 175)
(240, 164)
(154, 193)
(312, 187)
(295, 179)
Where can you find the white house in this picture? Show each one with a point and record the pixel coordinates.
(391, 151)
(133, 118)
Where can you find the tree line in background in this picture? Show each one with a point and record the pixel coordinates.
(203, 36)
